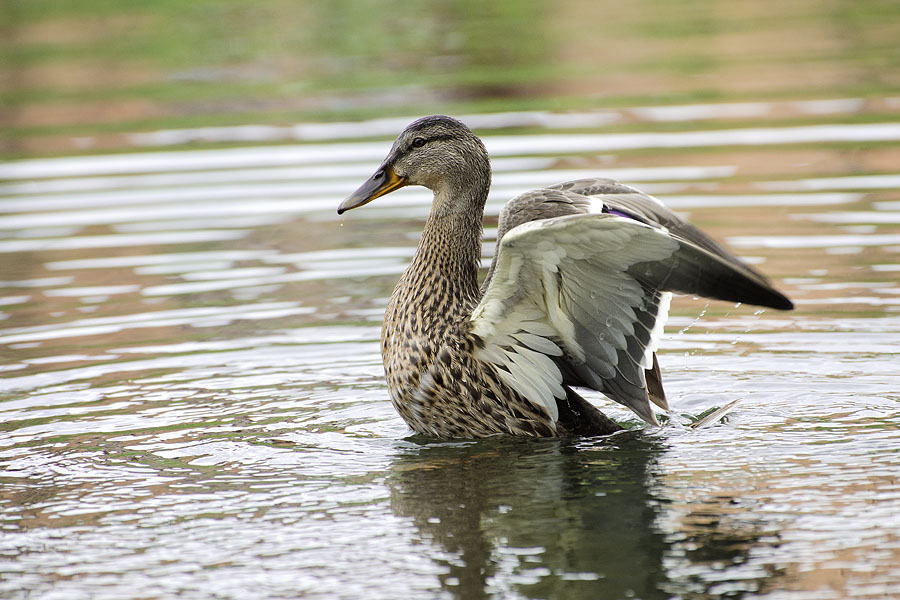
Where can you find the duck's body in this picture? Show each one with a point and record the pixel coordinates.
(436, 382)
(576, 295)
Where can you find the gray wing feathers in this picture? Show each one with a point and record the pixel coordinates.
(616, 334)
(579, 299)
(574, 271)
(646, 208)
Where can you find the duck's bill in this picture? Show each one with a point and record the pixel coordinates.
(384, 181)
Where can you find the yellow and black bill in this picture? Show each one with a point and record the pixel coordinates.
(384, 181)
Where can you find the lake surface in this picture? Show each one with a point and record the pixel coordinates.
(193, 402)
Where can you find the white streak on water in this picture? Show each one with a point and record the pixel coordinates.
(95, 290)
(851, 300)
(207, 221)
(712, 200)
(182, 197)
(242, 358)
(744, 110)
(120, 199)
(497, 146)
(39, 282)
(338, 172)
(854, 182)
(813, 241)
(848, 217)
(226, 208)
(694, 139)
(389, 127)
(365, 129)
(228, 274)
(551, 176)
(120, 240)
(350, 269)
(157, 259)
(185, 316)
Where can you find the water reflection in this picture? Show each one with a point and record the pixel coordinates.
(564, 519)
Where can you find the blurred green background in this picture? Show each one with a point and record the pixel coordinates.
(78, 75)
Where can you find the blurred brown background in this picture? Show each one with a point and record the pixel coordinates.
(81, 76)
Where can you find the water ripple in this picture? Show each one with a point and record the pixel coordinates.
(193, 404)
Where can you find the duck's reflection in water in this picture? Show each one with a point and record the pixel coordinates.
(556, 518)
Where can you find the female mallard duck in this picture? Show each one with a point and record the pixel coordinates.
(577, 295)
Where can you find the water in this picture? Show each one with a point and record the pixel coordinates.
(193, 405)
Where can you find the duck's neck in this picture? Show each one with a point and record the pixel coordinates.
(443, 275)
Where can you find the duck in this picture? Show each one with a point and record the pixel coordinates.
(575, 297)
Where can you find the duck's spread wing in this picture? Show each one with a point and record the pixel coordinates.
(599, 195)
(580, 299)
(562, 292)
(608, 195)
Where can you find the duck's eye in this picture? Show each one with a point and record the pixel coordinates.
(418, 142)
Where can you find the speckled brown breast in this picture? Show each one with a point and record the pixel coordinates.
(435, 381)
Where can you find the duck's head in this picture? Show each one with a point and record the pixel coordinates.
(437, 152)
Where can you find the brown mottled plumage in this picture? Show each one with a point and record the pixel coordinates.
(571, 298)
